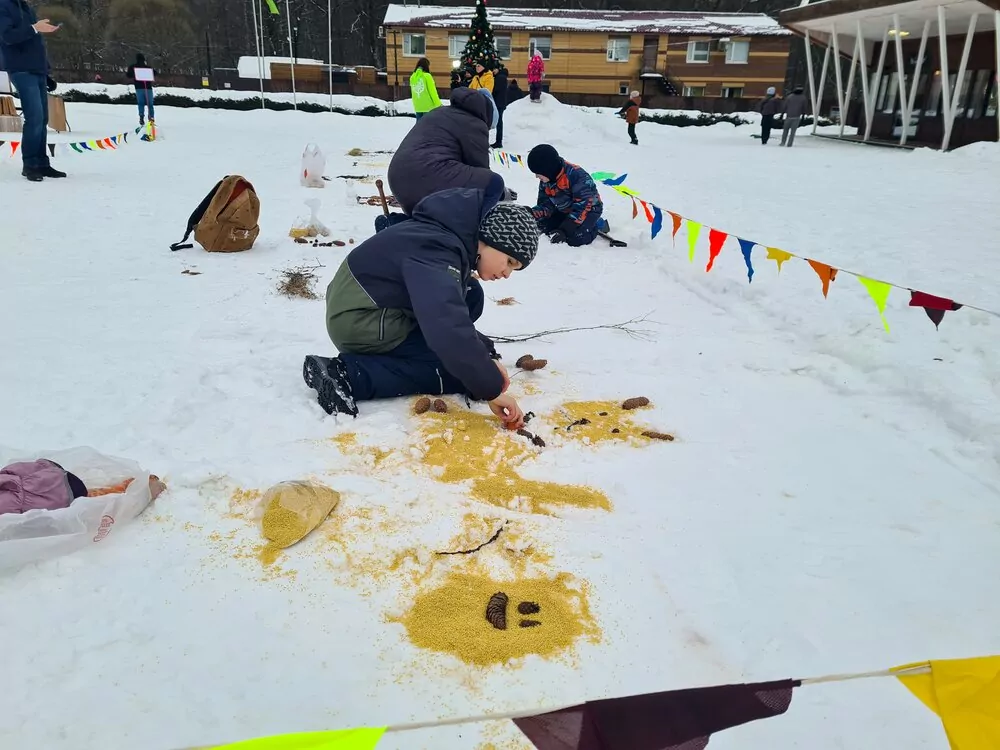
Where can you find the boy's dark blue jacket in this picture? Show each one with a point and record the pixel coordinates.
(416, 274)
(21, 47)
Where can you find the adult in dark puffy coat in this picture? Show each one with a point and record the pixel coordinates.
(500, 99)
(449, 147)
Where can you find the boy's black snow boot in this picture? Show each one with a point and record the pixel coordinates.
(328, 377)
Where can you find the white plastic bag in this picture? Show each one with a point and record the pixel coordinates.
(42, 534)
(312, 226)
(313, 165)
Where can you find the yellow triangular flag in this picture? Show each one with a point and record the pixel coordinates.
(365, 738)
(780, 256)
(694, 229)
(965, 693)
(879, 292)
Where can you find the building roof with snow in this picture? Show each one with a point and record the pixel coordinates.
(613, 21)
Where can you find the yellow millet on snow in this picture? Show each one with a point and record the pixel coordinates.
(451, 618)
(476, 447)
(602, 418)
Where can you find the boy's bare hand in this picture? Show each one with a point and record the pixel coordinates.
(506, 377)
(506, 408)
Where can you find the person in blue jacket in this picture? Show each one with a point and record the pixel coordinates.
(23, 52)
(569, 207)
(401, 309)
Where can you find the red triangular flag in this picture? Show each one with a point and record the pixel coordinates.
(677, 219)
(649, 214)
(826, 273)
(675, 720)
(635, 208)
(110, 144)
(13, 147)
(716, 240)
(935, 307)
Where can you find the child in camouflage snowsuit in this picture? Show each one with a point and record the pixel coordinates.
(569, 207)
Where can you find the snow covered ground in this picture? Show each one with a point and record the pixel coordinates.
(829, 505)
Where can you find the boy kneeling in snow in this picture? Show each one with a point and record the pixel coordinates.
(569, 207)
(402, 306)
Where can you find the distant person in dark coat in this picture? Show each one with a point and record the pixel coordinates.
(769, 107)
(449, 147)
(456, 80)
(630, 113)
(143, 90)
(794, 107)
(514, 92)
(500, 99)
(25, 60)
(401, 309)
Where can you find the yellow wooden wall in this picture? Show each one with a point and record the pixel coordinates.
(579, 61)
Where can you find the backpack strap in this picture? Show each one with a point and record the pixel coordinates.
(195, 218)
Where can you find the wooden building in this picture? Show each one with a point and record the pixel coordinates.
(601, 52)
(917, 72)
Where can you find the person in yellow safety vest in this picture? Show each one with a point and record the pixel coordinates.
(422, 89)
(483, 79)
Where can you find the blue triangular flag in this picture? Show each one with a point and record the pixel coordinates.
(657, 221)
(617, 180)
(746, 246)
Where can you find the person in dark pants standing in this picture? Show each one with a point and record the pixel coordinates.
(143, 90)
(768, 109)
(23, 52)
(500, 99)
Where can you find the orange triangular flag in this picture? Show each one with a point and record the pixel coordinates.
(110, 144)
(826, 273)
(649, 214)
(677, 219)
(635, 208)
(716, 240)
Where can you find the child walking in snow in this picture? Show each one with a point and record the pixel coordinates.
(401, 309)
(631, 114)
(569, 207)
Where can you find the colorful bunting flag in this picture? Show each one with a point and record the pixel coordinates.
(676, 218)
(826, 274)
(674, 720)
(965, 694)
(645, 207)
(626, 191)
(657, 221)
(778, 256)
(272, 7)
(879, 292)
(693, 229)
(716, 240)
(340, 739)
(76, 147)
(616, 180)
(602, 177)
(746, 246)
(935, 307)
(635, 209)
(13, 147)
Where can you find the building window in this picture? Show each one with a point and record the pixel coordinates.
(618, 48)
(698, 52)
(963, 94)
(934, 97)
(456, 45)
(502, 44)
(414, 45)
(623, 88)
(991, 105)
(732, 92)
(890, 98)
(978, 101)
(694, 91)
(738, 53)
(542, 45)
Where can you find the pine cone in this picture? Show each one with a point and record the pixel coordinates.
(635, 403)
(423, 405)
(521, 360)
(496, 610)
(653, 435)
(534, 364)
(440, 406)
(528, 608)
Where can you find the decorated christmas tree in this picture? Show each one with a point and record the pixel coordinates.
(480, 48)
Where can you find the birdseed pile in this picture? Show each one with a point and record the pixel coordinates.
(451, 618)
(291, 511)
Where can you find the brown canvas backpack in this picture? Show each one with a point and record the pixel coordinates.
(226, 220)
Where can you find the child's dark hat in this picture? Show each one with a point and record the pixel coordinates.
(543, 159)
(511, 229)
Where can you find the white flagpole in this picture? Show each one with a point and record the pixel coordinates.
(329, 32)
(291, 55)
(257, 42)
